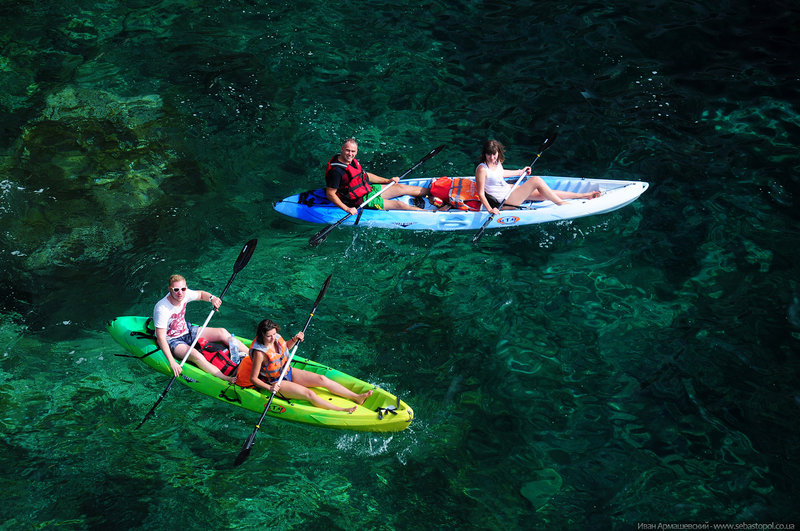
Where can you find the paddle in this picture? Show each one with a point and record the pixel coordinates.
(320, 237)
(244, 257)
(546, 144)
(244, 453)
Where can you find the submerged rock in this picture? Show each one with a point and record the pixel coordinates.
(545, 486)
(101, 105)
(80, 172)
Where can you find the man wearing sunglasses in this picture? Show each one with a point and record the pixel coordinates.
(174, 335)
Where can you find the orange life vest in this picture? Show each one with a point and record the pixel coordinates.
(458, 192)
(271, 367)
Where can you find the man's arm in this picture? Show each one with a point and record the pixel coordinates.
(334, 198)
(216, 302)
(376, 179)
(161, 341)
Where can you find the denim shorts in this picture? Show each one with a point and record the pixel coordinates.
(287, 378)
(186, 338)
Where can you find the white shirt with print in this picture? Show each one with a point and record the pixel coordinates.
(173, 318)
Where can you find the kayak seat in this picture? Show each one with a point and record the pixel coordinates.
(149, 330)
(314, 198)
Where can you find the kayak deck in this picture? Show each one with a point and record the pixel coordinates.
(381, 412)
(315, 207)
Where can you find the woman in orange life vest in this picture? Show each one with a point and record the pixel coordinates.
(347, 185)
(492, 186)
(266, 360)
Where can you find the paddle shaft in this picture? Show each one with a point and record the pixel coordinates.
(241, 261)
(248, 444)
(519, 180)
(546, 144)
(320, 237)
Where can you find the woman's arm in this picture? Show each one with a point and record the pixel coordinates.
(480, 184)
(296, 339)
(255, 373)
(512, 173)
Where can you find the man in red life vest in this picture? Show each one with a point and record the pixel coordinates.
(347, 185)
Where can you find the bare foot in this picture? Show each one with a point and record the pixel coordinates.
(362, 397)
(350, 410)
(592, 195)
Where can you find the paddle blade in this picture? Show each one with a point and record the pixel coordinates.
(433, 152)
(320, 237)
(160, 398)
(322, 292)
(479, 234)
(245, 255)
(551, 137)
(149, 414)
(244, 453)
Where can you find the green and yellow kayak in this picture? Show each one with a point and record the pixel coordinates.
(380, 412)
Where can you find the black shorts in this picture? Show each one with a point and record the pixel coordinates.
(493, 202)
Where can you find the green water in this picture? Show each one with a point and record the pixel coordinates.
(635, 367)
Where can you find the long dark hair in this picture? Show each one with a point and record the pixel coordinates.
(493, 146)
(263, 327)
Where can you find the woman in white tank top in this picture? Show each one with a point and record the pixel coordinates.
(493, 188)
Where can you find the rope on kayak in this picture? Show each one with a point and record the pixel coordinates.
(147, 334)
(224, 394)
(138, 357)
(388, 409)
(235, 398)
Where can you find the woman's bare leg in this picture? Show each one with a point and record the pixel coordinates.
(312, 379)
(534, 185)
(535, 196)
(296, 390)
(535, 189)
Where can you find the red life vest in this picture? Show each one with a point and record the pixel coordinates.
(217, 355)
(459, 193)
(354, 185)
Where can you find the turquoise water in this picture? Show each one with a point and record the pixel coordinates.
(635, 367)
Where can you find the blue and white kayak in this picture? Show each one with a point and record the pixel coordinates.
(313, 206)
